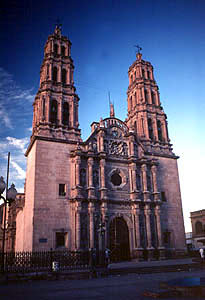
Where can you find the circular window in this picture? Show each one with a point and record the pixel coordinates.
(116, 179)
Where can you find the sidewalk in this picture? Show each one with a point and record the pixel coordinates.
(148, 267)
(153, 263)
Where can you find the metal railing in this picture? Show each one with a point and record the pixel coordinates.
(42, 261)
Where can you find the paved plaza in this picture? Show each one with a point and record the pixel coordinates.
(120, 287)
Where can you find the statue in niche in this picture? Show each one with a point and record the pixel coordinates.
(106, 146)
(94, 145)
(82, 177)
(95, 178)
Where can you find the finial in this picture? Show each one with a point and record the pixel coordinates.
(112, 111)
(58, 27)
(101, 122)
(138, 54)
(138, 48)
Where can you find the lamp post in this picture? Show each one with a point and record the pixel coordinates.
(101, 232)
(10, 197)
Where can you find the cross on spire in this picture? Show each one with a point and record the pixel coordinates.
(58, 24)
(138, 48)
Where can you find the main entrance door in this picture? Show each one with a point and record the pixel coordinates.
(119, 240)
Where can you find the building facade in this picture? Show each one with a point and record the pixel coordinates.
(119, 188)
(198, 228)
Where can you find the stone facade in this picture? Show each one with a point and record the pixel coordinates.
(118, 189)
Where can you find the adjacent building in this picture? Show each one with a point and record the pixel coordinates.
(198, 228)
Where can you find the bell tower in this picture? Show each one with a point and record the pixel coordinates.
(145, 113)
(56, 103)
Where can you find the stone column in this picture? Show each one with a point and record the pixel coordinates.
(68, 75)
(147, 212)
(103, 189)
(144, 183)
(150, 97)
(132, 149)
(154, 180)
(146, 130)
(60, 108)
(72, 117)
(90, 178)
(134, 179)
(164, 130)
(77, 177)
(77, 171)
(47, 105)
(157, 99)
(101, 142)
(78, 226)
(159, 232)
(129, 105)
(155, 129)
(59, 73)
(91, 209)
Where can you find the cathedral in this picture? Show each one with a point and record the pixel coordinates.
(119, 189)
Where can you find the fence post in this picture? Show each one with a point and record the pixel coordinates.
(51, 259)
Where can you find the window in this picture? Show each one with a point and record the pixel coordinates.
(163, 197)
(146, 95)
(43, 107)
(65, 114)
(63, 51)
(62, 189)
(149, 180)
(63, 76)
(53, 111)
(55, 74)
(55, 49)
(61, 239)
(138, 179)
(148, 74)
(198, 227)
(159, 130)
(167, 237)
(131, 103)
(153, 98)
(143, 73)
(116, 179)
(150, 129)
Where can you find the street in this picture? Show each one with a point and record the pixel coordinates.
(120, 287)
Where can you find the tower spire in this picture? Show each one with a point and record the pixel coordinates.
(144, 107)
(56, 103)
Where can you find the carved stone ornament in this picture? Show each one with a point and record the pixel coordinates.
(114, 147)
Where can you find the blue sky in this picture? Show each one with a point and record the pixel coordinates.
(103, 34)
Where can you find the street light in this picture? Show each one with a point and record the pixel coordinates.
(101, 230)
(10, 197)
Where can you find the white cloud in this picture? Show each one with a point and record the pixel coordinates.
(5, 118)
(21, 174)
(18, 143)
(12, 99)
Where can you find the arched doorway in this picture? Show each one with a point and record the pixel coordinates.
(119, 240)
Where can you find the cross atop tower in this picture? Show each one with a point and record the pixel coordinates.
(138, 48)
(58, 27)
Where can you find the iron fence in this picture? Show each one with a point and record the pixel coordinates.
(42, 261)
